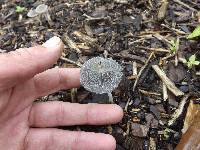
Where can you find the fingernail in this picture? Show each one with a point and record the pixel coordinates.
(52, 42)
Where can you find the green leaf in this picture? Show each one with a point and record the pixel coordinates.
(195, 33)
(173, 46)
(20, 9)
(196, 63)
(192, 58)
(189, 65)
(184, 61)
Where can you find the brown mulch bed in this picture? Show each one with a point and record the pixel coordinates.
(136, 33)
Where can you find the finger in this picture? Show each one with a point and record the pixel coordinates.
(42, 84)
(47, 139)
(55, 79)
(51, 114)
(24, 63)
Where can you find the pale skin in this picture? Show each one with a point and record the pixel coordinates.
(29, 125)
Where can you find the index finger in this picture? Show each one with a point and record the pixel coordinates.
(22, 64)
(55, 79)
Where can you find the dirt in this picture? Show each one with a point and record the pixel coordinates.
(128, 31)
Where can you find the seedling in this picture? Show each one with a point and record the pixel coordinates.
(174, 45)
(101, 75)
(191, 61)
(20, 9)
(166, 133)
(195, 33)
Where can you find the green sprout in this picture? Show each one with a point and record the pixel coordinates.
(174, 44)
(195, 33)
(166, 133)
(20, 9)
(191, 61)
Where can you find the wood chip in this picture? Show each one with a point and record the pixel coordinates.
(198, 73)
(154, 49)
(185, 5)
(70, 43)
(121, 1)
(134, 68)
(85, 37)
(170, 85)
(178, 111)
(192, 111)
(141, 70)
(162, 10)
(165, 95)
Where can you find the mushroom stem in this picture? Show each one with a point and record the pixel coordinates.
(48, 18)
(110, 98)
(39, 19)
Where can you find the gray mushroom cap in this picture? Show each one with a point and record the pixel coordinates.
(101, 75)
(32, 13)
(42, 8)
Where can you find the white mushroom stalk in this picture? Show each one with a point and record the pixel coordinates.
(32, 13)
(101, 75)
(40, 11)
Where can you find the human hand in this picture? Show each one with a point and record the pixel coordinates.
(29, 125)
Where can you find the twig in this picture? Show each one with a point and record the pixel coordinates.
(134, 75)
(71, 61)
(185, 5)
(173, 29)
(178, 111)
(134, 68)
(149, 93)
(198, 73)
(162, 10)
(73, 95)
(161, 38)
(170, 85)
(154, 49)
(85, 37)
(165, 95)
(70, 43)
(167, 57)
(126, 106)
(141, 70)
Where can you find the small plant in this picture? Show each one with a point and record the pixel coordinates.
(195, 33)
(166, 133)
(20, 9)
(101, 75)
(191, 61)
(174, 45)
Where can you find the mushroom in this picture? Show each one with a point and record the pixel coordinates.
(41, 10)
(32, 13)
(101, 75)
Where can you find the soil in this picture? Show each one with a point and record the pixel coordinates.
(136, 33)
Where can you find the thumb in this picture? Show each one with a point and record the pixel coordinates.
(24, 63)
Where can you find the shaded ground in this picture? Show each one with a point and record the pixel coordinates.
(135, 33)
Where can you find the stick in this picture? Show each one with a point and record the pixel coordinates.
(71, 61)
(178, 111)
(170, 85)
(185, 5)
(70, 43)
(141, 70)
